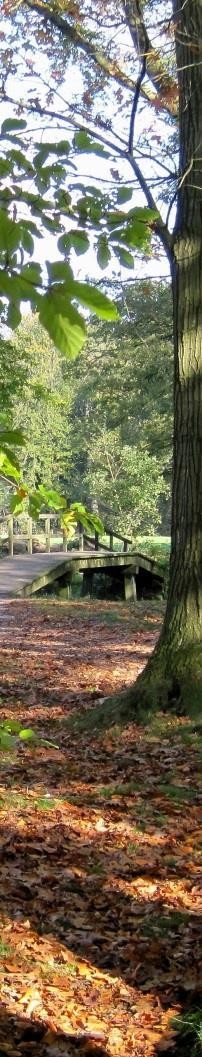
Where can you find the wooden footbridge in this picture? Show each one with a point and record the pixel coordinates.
(23, 574)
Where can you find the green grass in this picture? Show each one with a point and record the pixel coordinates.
(163, 923)
(189, 1034)
(177, 792)
(65, 968)
(124, 789)
(5, 950)
(45, 803)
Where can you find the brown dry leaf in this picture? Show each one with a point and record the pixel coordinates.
(99, 866)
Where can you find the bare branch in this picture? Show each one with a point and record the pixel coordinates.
(156, 70)
(135, 105)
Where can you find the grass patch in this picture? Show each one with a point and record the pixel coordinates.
(189, 1032)
(5, 950)
(64, 968)
(166, 923)
(178, 792)
(124, 789)
(101, 717)
(112, 617)
(45, 803)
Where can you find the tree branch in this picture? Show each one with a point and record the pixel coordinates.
(156, 70)
(135, 105)
(78, 38)
(159, 226)
(66, 120)
(107, 66)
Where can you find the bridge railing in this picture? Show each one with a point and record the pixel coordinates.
(29, 533)
(31, 537)
(96, 540)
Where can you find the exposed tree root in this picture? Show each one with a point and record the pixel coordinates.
(170, 680)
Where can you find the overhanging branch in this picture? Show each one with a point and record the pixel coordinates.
(165, 85)
(109, 67)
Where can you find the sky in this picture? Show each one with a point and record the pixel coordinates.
(88, 166)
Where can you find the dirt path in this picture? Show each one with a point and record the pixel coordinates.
(99, 878)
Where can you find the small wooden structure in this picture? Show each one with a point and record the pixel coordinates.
(85, 541)
(26, 574)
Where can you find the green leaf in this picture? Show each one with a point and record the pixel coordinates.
(63, 323)
(12, 123)
(64, 243)
(27, 734)
(59, 270)
(88, 520)
(5, 167)
(16, 505)
(11, 726)
(95, 300)
(68, 519)
(83, 142)
(10, 233)
(116, 217)
(143, 213)
(62, 147)
(35, 504)
(124, 194)
(21, 161)
(16, 287)
(8, 467)
(79, 240)
(52, 497)
(6, 741)
(51, 223)
(9, 454)
(125, 258)
(32, 272)
(27, 240)
(137, 235)
(12, 436)
(103, 252)
(13, 316)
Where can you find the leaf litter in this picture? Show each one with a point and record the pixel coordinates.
(100, 842)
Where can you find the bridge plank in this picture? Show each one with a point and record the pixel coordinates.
(26, 574)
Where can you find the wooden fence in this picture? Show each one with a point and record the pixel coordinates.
(30, 536)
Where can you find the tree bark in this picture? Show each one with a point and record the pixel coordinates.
(174, 673)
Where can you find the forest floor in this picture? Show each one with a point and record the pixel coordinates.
(100, 842)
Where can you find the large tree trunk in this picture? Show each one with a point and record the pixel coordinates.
(183, 623)
(174, 673)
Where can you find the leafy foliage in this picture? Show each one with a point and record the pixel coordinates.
(54, 208)
(77, 418)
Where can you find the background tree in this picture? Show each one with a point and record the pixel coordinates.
(123, 400)
(44, 407)
(100, 428)
(150, 76)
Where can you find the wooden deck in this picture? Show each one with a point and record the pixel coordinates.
(24, 575)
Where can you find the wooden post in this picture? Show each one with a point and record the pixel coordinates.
(29, 536)
(111, 538)
(130, 588)
(87, 583)
(10, 535)
(96, 541)
(125, 546)
(47, 532)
